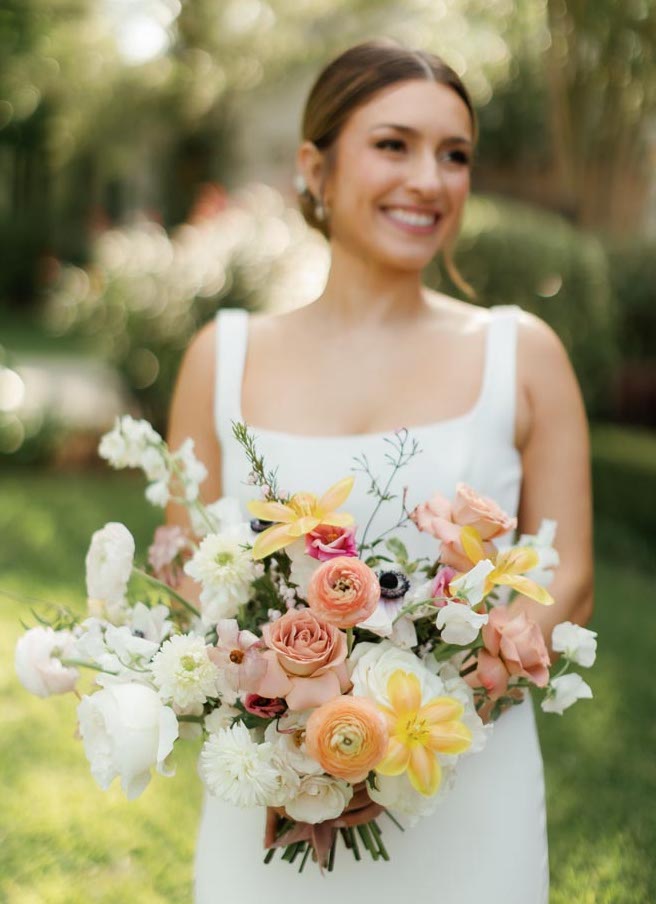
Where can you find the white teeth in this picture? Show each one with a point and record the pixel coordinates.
(413, 219)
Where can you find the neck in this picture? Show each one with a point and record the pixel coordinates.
(365, 293)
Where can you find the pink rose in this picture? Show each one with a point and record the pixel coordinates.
(326, 542)
(472, 510)
(306, 660)
(343, 591)
(518, 642)
(265, 707)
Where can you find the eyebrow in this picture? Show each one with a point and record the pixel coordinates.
(459, 139)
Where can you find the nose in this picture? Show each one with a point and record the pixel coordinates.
(425, 176)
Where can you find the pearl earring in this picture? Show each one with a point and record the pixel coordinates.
(319, 211)
(300, 184)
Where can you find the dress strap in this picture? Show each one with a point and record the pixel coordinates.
(499, 394)
(231, 337)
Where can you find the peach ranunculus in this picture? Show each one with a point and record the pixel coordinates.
(517, 641)
(444, 521)
(347, 736)
(306, 660)
(343, 591)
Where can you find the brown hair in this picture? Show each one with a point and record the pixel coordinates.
(348, 82)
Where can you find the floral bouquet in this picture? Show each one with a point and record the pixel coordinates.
(332, 681)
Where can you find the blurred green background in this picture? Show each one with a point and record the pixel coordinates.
(146, 166)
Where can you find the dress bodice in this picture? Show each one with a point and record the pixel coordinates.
(476, 447)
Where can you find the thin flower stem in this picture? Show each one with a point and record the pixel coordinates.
(373, 825)
(394, 820)
(349, 641)
(166, 589)
(305, 856)
(86, 665)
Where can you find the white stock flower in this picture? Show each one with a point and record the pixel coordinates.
(459, 624)
(563, 692)
(37, 662)
(158, 494)
(183, 672)
(154, 464)
(194, 471)
(470, 586)
(319, 797)
(125, 445)
(578, 644)
(109, 563)
(237, 769)
(372, 664)
(225, 571)
(542, 543)
(126, 731)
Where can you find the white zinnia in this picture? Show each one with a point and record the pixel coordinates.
(459, 624)
(225, 571)
(38, 665)
(237, 769)
(319, 797)
(578, 644)
(372, 664)
(109, 563)
(183, 672)
(126, 730)
(563, 692)
(470, 586)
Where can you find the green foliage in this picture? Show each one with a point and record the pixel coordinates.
(632, 267)
(513, 253)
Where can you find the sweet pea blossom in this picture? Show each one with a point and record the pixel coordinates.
(563, 692)
(578, 644)
(109, 563)
(471, 586)
(459, 624)
(38, 665)
(126, 730)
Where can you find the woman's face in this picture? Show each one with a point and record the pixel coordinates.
(401, 174)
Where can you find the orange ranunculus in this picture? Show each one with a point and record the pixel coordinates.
(347, 736)
(343, 591)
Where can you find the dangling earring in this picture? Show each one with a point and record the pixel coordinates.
(319, 211)
(300, 184)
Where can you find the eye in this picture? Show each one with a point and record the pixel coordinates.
(460, 157)
(394, 144)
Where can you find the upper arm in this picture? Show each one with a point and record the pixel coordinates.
(556, 455)
(191, 414)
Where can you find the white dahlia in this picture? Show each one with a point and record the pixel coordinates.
(183, 672)
(225, 570)
(237, 769)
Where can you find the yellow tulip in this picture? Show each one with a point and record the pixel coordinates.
(297, 517)
(510, 566)
(418, 733)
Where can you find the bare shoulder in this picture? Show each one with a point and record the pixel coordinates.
(541, 355)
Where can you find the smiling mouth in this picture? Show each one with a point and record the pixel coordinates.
(416, 222)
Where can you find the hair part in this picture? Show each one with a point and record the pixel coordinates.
(348, 82)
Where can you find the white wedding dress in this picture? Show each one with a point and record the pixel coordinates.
(486, 843)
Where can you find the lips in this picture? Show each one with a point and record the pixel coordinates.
(416, 220)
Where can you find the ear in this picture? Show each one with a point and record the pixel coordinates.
(311, 164)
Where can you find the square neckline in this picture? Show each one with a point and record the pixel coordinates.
(369, 435)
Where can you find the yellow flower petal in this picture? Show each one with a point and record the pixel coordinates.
(441, 709)
(404, 692)
(472, 544)
(338, 519)
(527, 587)
(449, 737)
(424, 771)
(336, 495)
(517, 560)
(271, 539)
(303, 525)
(395, 760)
(271, 511)
(390, 716)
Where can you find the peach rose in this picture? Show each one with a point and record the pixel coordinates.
(306, 660)
(343, 591)
(518, 642)
(347, 736)
(491, 674)
(472, 510)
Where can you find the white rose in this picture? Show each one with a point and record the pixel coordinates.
(290, 745)
(37, 664)
(319, 797)
(372, 664)
(578, 644)
(109, 563)
(565, 691)
(126, 730)
(459, 624)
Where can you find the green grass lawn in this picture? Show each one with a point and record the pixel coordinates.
(64, 841)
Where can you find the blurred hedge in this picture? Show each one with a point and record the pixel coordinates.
(513, 253)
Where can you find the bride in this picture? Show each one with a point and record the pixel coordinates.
(489, 395)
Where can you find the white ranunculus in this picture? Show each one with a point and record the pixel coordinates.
(395, 792)
(563, 692)
(470, 586)
(542, 543)
(319, 797)
(109, 563)
(459, 624)
(578, 644)
(183, 672)
(225, 571)
(37, 662)
(372, 664)
(126, 731)
(237, 769)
